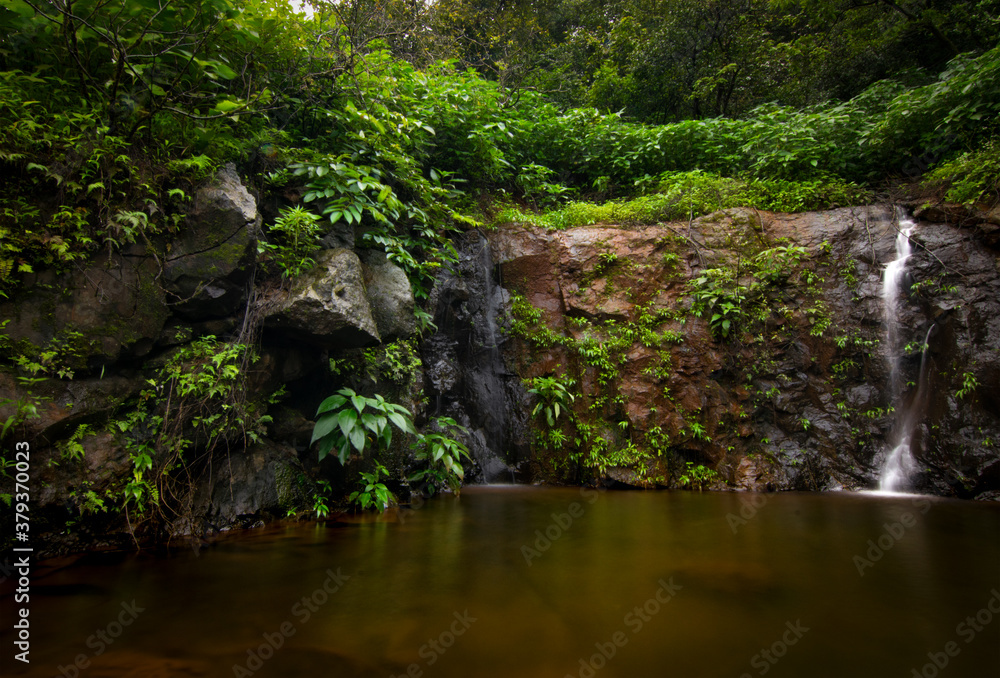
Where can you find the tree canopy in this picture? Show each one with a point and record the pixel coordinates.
(398, 113)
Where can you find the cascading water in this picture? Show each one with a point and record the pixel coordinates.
(464, 361)
(899, 462)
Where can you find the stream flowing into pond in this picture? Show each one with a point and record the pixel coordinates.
(521, 581)
(899, 460)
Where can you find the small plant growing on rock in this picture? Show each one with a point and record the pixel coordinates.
(320, 498)
(696, 477)
(374, 493)
(443, 456)
(969, 384)
(296, 233)
(554, 397)
(349, 420)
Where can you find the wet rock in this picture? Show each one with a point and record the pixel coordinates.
(466, 373)
(64, 405)
(328, 306)
(92, 317)
(264, 481)
(389, 295)
(441, 368)
(815, 410)
(207, 267)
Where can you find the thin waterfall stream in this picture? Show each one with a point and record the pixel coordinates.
(899, 462)
(467, 374)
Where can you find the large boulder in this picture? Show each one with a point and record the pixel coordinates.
(207, 267)
(61, 406)
(328, 306)
(239, 489)
(92, 316)
(389, 295)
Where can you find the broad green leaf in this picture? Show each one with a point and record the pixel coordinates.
(227, 105)
(325, 446)
(357, 437)
(402, 422)
(347, 420)
(370, 422)
(223, 70)
(325, 424)
(334, 402)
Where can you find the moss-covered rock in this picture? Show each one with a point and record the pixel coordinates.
(90, 317)
(328, 306)
(389, 295)
(207, 267)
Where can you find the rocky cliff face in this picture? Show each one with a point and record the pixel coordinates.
(740, 350)
(752, 344)
(125, 369)
(466, 376)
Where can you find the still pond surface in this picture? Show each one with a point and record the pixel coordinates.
(524, 582)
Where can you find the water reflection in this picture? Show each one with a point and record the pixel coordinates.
(549, 582)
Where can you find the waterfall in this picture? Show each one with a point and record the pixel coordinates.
(899, 462)
(466, 372)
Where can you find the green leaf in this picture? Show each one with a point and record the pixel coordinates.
(324, 426)
(401, 421)
(22, 8)
(358, 438)
(223, 71)
(347, 420)
(371, 422)
(334, 402)
(227, 105)
(325, 446)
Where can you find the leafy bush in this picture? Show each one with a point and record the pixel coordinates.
(443, 456)
(297, 234)
(347, 420)
(971, 177)
(197, 400)
(688, 195)
(373, 493)
(554, 397)
(697, 476)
